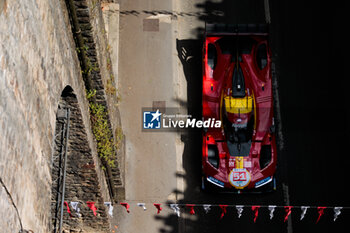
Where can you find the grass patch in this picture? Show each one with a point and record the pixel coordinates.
(102, 131)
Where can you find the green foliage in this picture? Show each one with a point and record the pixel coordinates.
(90, 67)
(103, 134)
(90, 94)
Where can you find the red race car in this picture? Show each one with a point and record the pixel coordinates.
(237, 89)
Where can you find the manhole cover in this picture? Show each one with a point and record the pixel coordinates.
(150, 25)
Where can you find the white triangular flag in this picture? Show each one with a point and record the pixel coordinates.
(272, 209)
(110, 208)
(303, 211)
(143, 205)
(74, 205)
(206, 208)
(239, 210)
(176, 209)
(337, 212)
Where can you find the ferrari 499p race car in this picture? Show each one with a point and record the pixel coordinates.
(237, 89)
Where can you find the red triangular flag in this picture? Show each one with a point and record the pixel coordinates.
(320, 210)
(223, 210)
(191, 206)
(287, 210)
(92, 206)
(126, 205)
(255, 209)
(158, 207)
(68, 210)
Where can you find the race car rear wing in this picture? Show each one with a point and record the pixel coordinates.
(235, 29)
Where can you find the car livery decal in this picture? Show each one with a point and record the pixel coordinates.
(239, 178)
(239, 162)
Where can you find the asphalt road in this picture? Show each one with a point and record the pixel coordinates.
(147, 77)
(164, 64)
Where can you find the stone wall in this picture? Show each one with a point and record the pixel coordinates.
(38, 59)
(95, 50)
(81, 181)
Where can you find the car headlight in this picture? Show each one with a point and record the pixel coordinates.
(263, 182)
(215, 181)
(213, 156)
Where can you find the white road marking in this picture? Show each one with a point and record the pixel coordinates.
(267, 11)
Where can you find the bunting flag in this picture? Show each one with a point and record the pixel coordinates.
(337, 212)
(110, 208)
(191, 206)
(92, 206)
(158, 207)
(239, 210)
(255, 209)
(126, 205)
(287, 210)
(303, 211)
(75, 206)
(143, 205)
(272, 210)
(223, 210)
(68, 210)
(176, 209)
(206, 208)
(320, 210)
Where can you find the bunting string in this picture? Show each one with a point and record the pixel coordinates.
(176, 207)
